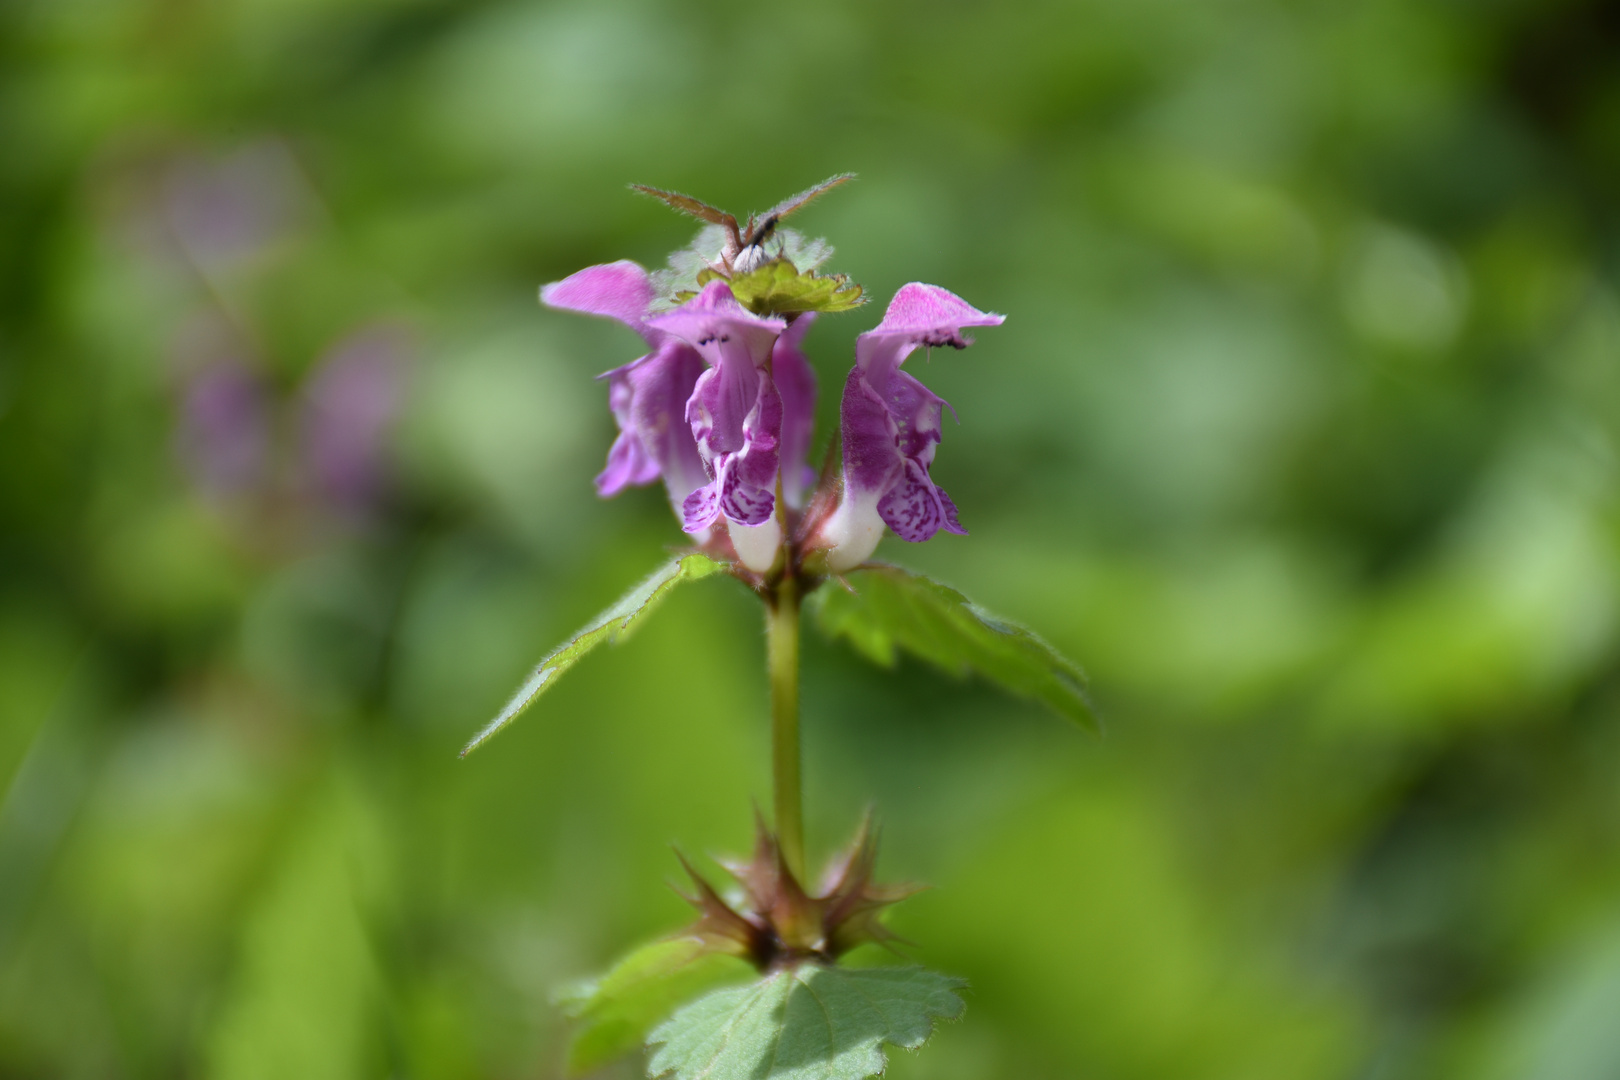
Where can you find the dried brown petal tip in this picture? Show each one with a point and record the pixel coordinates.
(780, 925)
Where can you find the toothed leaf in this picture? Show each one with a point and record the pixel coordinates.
(678, 282)
(807, 1023)
(615, 1012)
(607, 626)
(893, 609)
(780, 287)
(808, 253)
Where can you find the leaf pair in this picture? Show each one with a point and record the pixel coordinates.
(884, 609)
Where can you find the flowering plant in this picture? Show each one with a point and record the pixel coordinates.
(721, 409)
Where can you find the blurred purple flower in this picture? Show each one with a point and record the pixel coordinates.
(223, 439)
(892, 425)
(350, 402)
(229, 209)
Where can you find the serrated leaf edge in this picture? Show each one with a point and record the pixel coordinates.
(685, 568)
(1067, 670)
(760, 990)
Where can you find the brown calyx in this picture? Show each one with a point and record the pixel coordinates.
(781, 925)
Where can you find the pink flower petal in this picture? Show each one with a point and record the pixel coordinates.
(618, 290)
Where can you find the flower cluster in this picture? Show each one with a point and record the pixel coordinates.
(723, 403)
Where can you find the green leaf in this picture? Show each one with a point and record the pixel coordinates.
(693, 266)
(616, 1011)
(610, 625)
(892, 609)
(780, 287)
(810, 1023)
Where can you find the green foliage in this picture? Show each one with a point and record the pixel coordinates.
(614, 1012)
(781, 288)
(306, 999)
(891, 608)
(691, 267)
(809, 1023)
(608, 626)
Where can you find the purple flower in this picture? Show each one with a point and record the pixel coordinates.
(227, 210)
(891, 423)
(350, 403)
(648, 396)
(224, 433)
(736, 413)
(723, 406)
(796, 381)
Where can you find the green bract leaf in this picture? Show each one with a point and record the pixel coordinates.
(616, 1011)
(810, 1023)
(679, 282)
(780, 287)
(892, 608)
(608, 626)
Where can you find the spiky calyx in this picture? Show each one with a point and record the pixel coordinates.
(780, 925)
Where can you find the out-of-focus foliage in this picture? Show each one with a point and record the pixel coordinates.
(1301, 434)
(613, 1014)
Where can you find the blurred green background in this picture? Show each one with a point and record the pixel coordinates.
(1300, 435)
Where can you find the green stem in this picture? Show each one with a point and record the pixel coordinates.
(782, 655)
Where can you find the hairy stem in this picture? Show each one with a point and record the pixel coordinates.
(782, 656)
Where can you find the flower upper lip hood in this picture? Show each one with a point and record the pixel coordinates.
(618, 290)
(918, 315)
(721, 328)
(648, 395)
